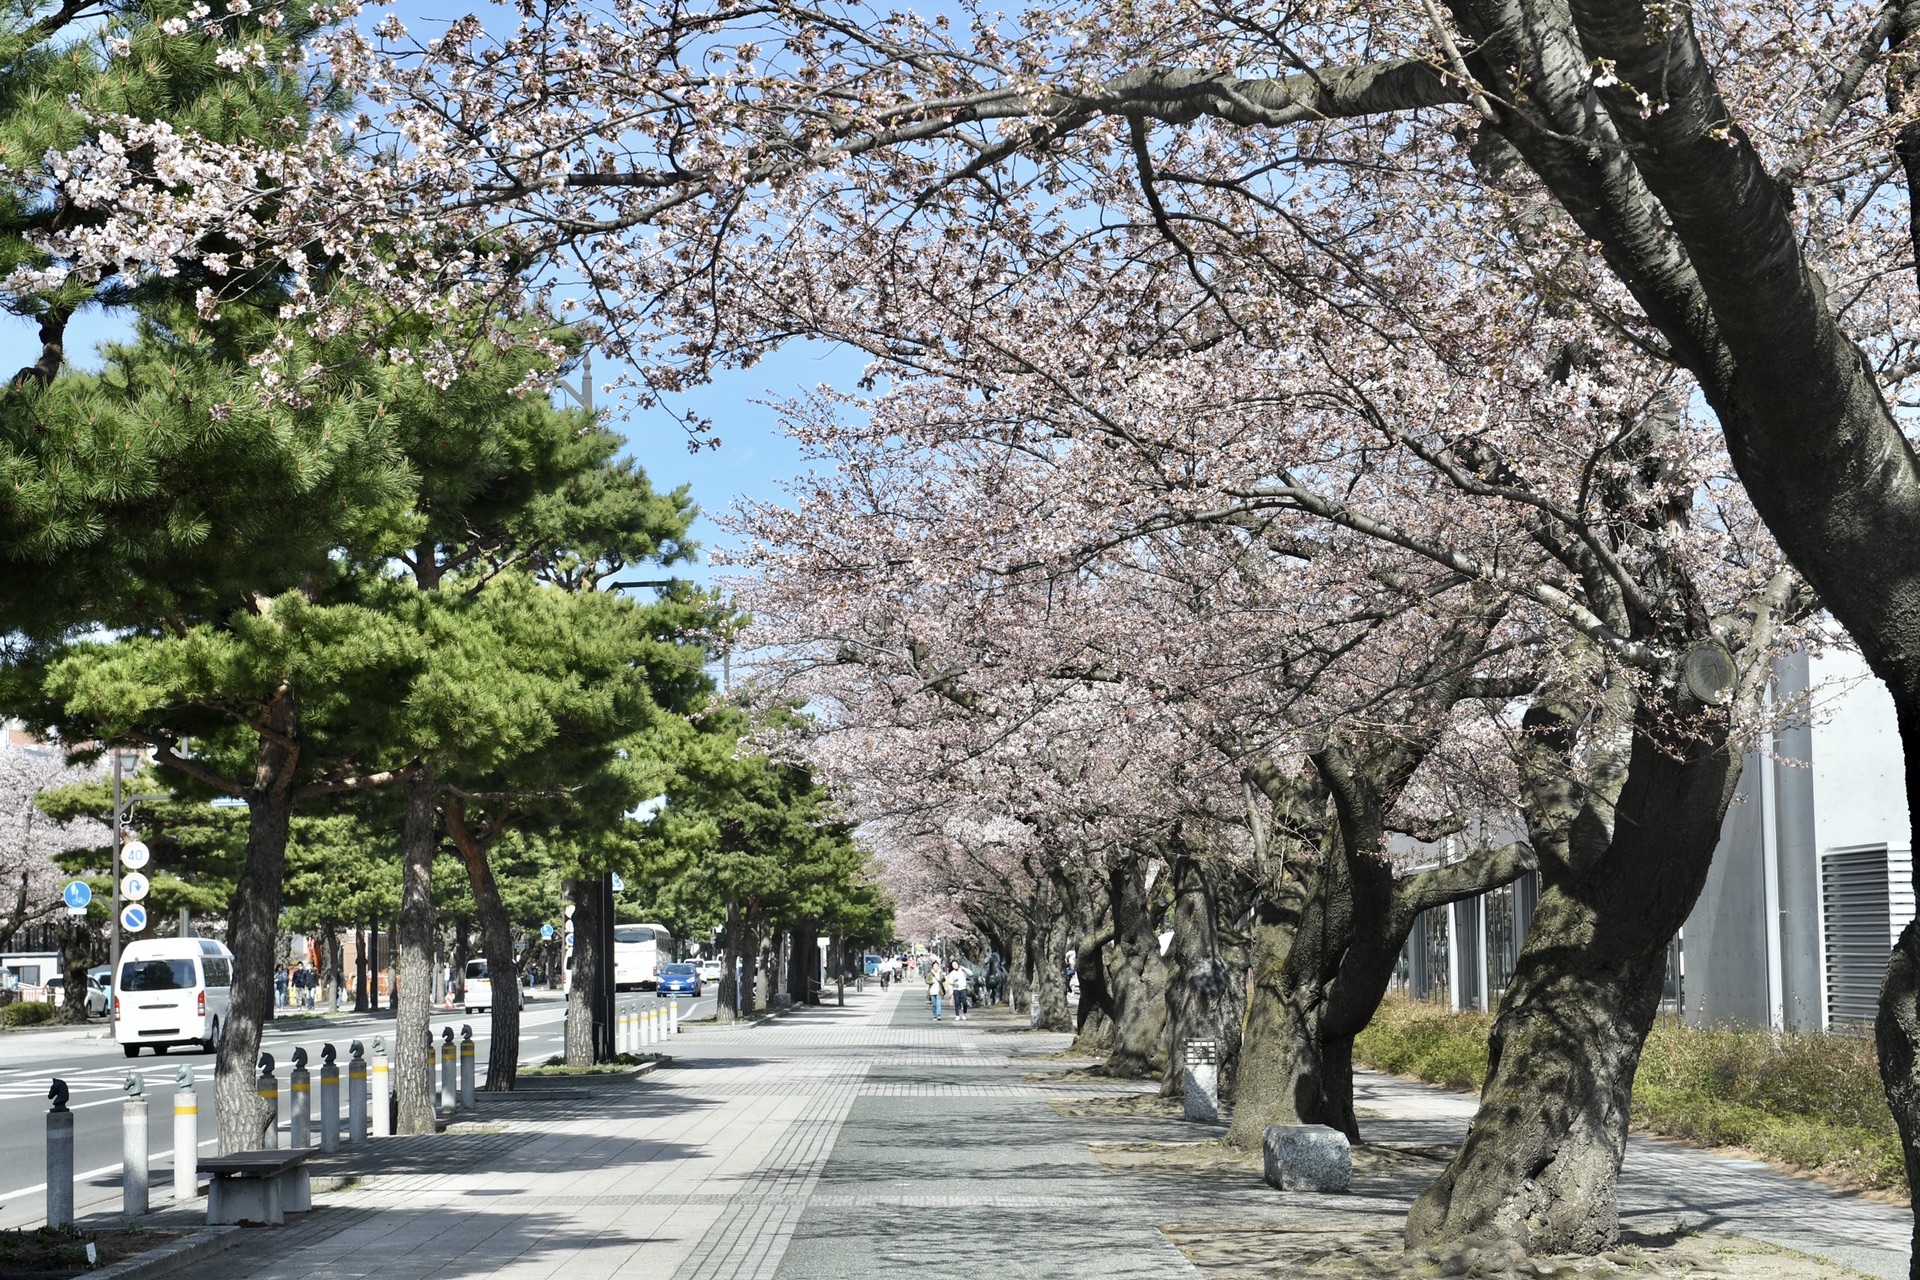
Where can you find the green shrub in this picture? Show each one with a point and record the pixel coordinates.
(25, 1013)
(1811, 1100)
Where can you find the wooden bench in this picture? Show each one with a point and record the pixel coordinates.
(257, 1186)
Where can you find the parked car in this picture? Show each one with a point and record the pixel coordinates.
(710, 971)
(98, 1000)
(171, 991)
(679, 979)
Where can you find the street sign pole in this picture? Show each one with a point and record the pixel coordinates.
(114, 951)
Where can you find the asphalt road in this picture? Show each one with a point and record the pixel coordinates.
(94, 1068)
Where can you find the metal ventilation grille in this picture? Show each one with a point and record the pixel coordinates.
(1866, 899)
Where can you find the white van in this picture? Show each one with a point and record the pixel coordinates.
(479, 988)
(171, 991)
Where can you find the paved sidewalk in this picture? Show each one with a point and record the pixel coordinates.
(870, 1141)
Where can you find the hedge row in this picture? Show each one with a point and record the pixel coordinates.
(1810, 1100)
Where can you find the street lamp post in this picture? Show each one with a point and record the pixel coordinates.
(121, 807)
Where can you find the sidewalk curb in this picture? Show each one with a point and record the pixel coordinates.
(169, 1258)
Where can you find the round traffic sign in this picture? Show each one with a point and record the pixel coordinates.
(133, 886)
(77, 894)
(569, 939)
(133, 855)
(133, 917)
(546, 930)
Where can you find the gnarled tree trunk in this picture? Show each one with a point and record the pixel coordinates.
(1541, 1164)
(1136, 972)
(1204, 1002)
(1047, 942)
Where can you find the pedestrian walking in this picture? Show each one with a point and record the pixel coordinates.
(936, 989)
(279, 988)
(957, 984)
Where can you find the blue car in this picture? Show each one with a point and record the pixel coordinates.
(679, 980)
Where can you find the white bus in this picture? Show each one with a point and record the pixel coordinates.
(638, 952)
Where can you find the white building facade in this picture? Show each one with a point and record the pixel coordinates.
(1810, 886)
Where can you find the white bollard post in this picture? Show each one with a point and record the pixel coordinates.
(329, 1100)
(269, 1089)
(466, 1066)
(382, 1091)
(653, 1027)
(133, 1147)
(59, 1157)
(186, 1138)
(356, 1095)
(300, 1107)
(673, 1016)
(620, 1037)
(449, 1071)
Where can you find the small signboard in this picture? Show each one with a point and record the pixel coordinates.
(133, 917)
(77, 895)
(133, 855)
(133, 886)
(618, 884)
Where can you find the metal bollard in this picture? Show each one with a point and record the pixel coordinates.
(186, 1137)
(269, 1089)
(382, 1091)
(653, 1027)
(620, 1038)
(466, 1066)
(449, 1071)
(133, 1147)
(300, 1108)
(356, 1094)
(673, 1016)
(329, 1100)
(59, 1156)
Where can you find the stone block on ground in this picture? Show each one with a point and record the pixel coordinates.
(1307, 1157)
(1200, 1090)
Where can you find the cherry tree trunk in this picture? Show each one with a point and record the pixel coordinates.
(1136, 975)
(1278, 1080)
(253, 918)
(413, 1049)
(1046, 960)
(584, 893)
(1201, 994)
(1541, 1163)
(1896, 1029)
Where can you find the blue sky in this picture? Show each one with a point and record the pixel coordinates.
(753, 458)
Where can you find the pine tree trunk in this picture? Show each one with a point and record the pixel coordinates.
(1541, 1163)
(334, 959)
(361, 967)
(413, 1058)
(253, 917)
(732, 952)
(584, 893)
(496, 943)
